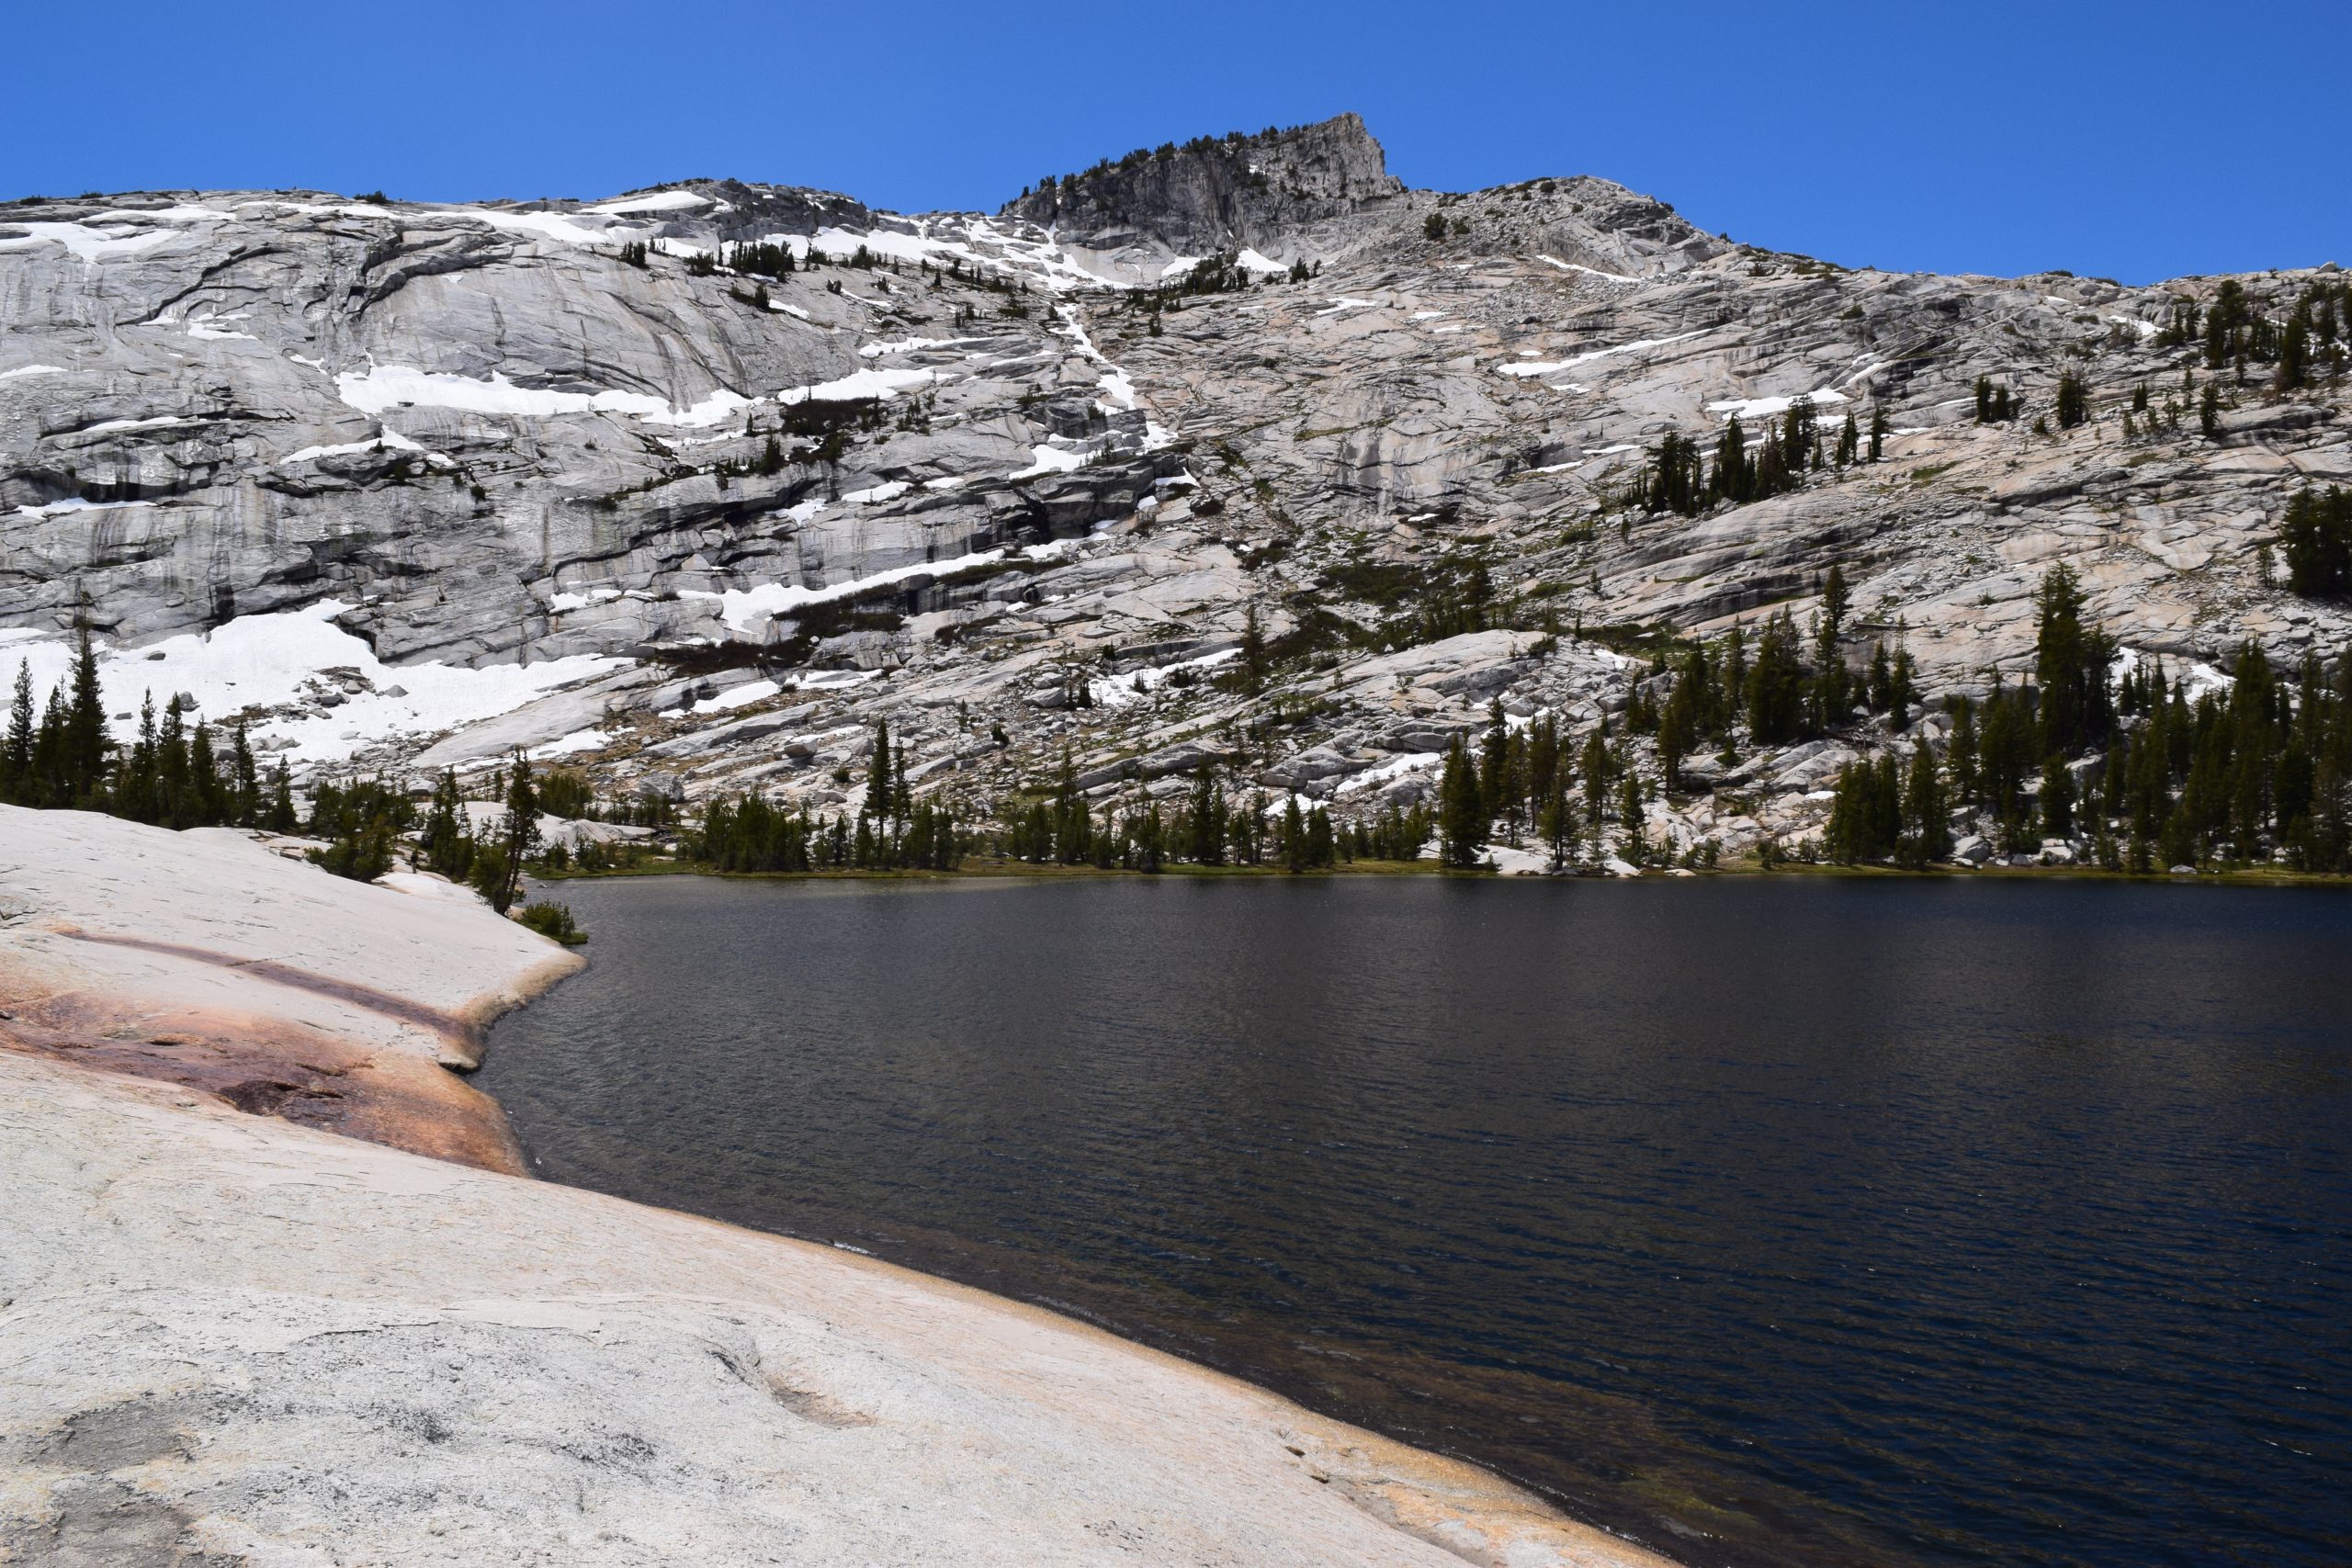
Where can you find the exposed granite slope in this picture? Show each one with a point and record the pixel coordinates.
(229, 1339)
(483, 434)
(202, 959)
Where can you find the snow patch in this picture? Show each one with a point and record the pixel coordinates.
(1118, 390)
(739, 697)
(266, 661)
(553, 226)
(59, 508)
(911, 345)
(1771, 407)
(560, 603)
(383, 386)
(89, 243)
(1553, 366)
(577, 741)
(1049, 461)
(1391, 770)
(746, 609)
(870, 383)
(158, 421)
(1132, 685)
(660, 201)
(389, 438)
(1587, 271)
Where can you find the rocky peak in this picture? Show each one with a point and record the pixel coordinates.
(1217, 193)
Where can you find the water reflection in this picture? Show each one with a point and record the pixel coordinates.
(1769, 1223)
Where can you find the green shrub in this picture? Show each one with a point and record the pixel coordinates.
(553, 921)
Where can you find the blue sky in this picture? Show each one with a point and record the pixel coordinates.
(2133, 140)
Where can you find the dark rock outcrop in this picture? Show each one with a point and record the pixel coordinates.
(1213, 194)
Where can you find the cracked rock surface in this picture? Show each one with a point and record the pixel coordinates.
(233, 1340)
(988, 479)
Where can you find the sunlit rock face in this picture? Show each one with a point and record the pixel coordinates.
(230, 1336)
(586, 478)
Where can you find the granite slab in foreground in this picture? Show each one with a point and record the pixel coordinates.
(233, 1338)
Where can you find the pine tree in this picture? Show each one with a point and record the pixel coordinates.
(1205, 843)
(85, 736)
(1558, 825)
(172, 794)
(244, 780)
(1150, 842)
(1735, 475)
(280, 816)
(1927, 826)
(2056, 799)
(2294, 356)
(2071, 663)
(1633, 847)
(51, 783)
(1878, 684)
(1775, 697)
(520, 837)
(16, 751)
(205, 806)
(1837, 599)
(1253, 652)
(2074, 400)
(2316, 535)
(447, 845)
(1833, 692)
(137, 790)
(1462, 822)
(1676, 730)
(879, 794)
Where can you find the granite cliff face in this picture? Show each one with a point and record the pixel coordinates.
(420, 484)
(1216, 194)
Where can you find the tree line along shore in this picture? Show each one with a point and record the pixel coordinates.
(2101, 761)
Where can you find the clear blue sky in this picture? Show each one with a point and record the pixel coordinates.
(2139, 138)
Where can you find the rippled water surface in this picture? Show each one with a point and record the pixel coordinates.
(1768, 1222)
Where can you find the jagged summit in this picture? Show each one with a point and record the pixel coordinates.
(1217, 193)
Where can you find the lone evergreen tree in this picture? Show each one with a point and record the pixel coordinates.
(86, 724)
(1462, 820)
(517, 838)
(1253, 652)
(16, 751)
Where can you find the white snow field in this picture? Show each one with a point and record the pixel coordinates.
(276, 660)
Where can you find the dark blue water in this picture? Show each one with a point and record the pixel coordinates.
(1767, 1221)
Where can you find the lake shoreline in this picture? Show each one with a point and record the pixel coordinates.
(210, 1206)
(1019, 871)
(1708, 1185)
